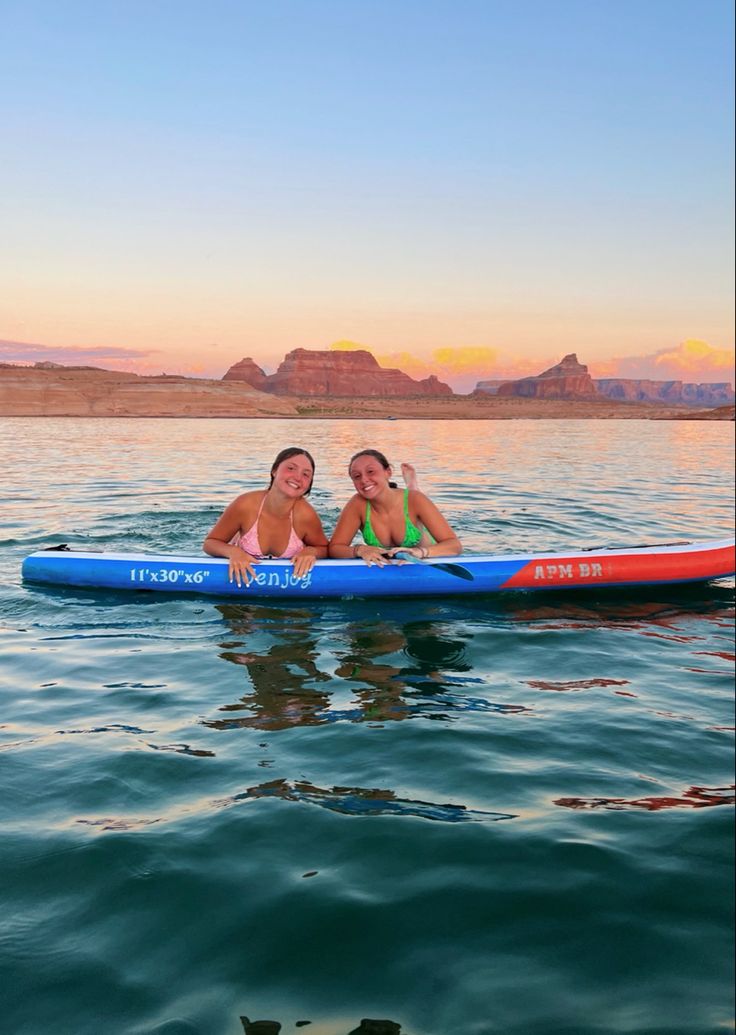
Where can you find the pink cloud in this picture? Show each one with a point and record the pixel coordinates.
(99, 355)
(107, 357)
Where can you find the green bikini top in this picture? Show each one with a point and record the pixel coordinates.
(412, 534)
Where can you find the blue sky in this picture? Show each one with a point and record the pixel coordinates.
(199, 182)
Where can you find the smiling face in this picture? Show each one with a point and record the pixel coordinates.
(294, 475)
(369, 476)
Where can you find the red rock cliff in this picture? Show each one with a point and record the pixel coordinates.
(567, 380)
(332, 373)
(570, 380)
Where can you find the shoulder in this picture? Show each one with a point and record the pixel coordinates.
(357, 506)
(255, 496)
(354, 508)
(303, 509)
(248, 500)
(355, 502)
(421, 504)
(416, 498)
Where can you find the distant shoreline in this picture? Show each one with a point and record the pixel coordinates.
(89, 392)
(719, 414)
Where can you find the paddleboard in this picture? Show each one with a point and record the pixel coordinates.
(484, 573)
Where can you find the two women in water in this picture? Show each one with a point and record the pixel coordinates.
(278, 521)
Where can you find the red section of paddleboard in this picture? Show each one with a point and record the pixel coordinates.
(625, 568)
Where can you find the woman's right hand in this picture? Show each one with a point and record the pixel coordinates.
(240, 566)
(371, 555)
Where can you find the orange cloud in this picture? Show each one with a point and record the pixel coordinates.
(461, 367)
(415, 366)
(693, 356)
(691, 360)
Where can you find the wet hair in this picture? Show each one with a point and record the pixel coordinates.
(286, 454)
(376, 456)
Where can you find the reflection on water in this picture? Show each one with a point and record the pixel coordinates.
(348, 801)
(362, 801)
(283, 674)
(692, 798)
(616, 607)
(382, 669)
(367, 1026)
(574, 684)
(391, 671)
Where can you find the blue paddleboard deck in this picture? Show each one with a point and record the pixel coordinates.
(484, 573)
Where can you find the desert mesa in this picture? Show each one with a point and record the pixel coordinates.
(349, 384)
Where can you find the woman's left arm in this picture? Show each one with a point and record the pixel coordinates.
(446, 543)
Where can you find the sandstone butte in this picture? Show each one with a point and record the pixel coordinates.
(311, 372)
(567, 380)
(52, 390)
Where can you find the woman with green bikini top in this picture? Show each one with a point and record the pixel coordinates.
(392, 520)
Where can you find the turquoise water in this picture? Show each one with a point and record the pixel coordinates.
(494, 815)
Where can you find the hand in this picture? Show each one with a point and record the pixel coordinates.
(373, 555)
(420, 552)
(240, 566)
(303, 563)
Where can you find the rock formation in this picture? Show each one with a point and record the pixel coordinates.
(490, 387)
(567, 380)
(355, 374)
(716, 394)
(249, 371)
(570, 380)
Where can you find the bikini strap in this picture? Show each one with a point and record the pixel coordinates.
(291, 514)
(258, 515)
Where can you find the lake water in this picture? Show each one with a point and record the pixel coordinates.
(506, 814)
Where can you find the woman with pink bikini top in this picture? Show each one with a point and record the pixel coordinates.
(276, 522)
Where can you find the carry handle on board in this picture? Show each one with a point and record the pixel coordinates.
(64, 548)
(452, 569)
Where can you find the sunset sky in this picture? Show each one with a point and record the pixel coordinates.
(472, 188)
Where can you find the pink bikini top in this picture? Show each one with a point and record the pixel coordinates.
(248, 541)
